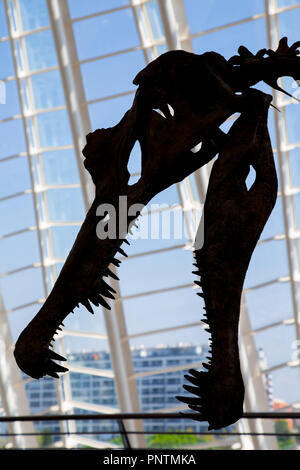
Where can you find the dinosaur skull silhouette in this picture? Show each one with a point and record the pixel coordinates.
(203, 91)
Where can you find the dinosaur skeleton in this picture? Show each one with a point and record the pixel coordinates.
(203, 91)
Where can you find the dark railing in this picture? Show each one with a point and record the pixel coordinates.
(121, 417)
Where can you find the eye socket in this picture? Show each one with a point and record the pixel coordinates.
(134, 165)
(250, 180)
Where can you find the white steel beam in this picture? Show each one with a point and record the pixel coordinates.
(73, 87)
(80, 126)
(256, 395)
(12, 387)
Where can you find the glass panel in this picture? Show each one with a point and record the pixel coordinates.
(3, 22)
(20, 318)
(16, 214)
(269, 261)
(285, 3)
(274, 225)
(34, 14)
(195, 335)
(163, 311)
(269, 304)
(164, 270)
(63, 239)
(60, 167)
(25, 95)
(12, 139)
(226, 42)
(19, 251)
(288, 25)
(7, 66)
(155, 20)
(14, 176)
(212, 13)
(97, 36)
(40, 50)
(112, 75)
(268, 340)
(83, 321)
(295, 166)
(11, 106)
(65, 204)
(20, 56)
(21, 288)
(54, 129)
(285, 384)
(79, 8)
(109, 113)
(292, 117)
(47, 90)
(296, 199)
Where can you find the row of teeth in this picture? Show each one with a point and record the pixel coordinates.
(205, 319)
(196, 378)
(105, 290)
(97, 299)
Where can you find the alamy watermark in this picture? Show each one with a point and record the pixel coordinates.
(156, 221)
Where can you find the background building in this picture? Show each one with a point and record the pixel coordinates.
(67, 67)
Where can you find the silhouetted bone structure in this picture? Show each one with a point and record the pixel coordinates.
(195, 95)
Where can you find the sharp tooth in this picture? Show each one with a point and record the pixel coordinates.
(116, 262)
(188, 400)
(193, 380)
(111, 274)
(198, 283)
(194, 390)
(107, 286)
(122, 252)
(54, 355)
(200, 294)
(208, 330)
(126, 241)
(107, 294)
(94, 300)
(196, 373)
(53, 374)
(87, 305)
(60, 368)
(104, 303)
(197, 273)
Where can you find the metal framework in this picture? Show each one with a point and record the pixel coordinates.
(175, 34)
